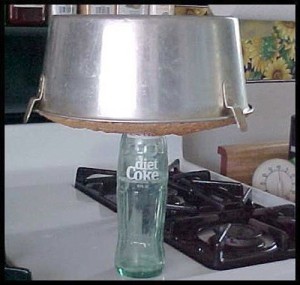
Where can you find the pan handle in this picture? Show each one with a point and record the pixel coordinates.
(33, 100)
(237, 111)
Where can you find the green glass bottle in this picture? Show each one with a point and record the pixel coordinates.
(142, 179)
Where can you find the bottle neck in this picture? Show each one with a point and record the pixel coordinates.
(142, 136)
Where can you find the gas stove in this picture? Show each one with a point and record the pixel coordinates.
(61, 224)
(213, 222)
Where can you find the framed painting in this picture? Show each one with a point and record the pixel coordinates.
(268, 50)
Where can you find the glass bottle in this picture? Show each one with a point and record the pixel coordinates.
(292, 141)
(142, 179)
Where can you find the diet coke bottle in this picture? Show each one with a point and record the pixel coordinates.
(142, 179)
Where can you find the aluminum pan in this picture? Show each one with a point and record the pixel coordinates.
(142, 68)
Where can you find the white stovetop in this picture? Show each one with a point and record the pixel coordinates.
(61, 234)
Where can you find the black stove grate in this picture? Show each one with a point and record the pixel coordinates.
(214, 222)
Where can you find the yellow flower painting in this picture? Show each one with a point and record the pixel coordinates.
(290, 49)
(262, 51)
(246, 52)
(268, 47)
(268, 53)
(286, 30)
(278, 70)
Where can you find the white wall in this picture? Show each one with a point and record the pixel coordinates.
(274, 104)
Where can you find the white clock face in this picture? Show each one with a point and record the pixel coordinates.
(276, 176)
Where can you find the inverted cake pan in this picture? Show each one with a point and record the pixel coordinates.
(142, 69)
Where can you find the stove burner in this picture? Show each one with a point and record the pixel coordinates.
(214, 222)
(240, 235)
(233, 235)
(237, 237)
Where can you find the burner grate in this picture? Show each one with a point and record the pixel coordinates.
(214, 222)
(101, 188)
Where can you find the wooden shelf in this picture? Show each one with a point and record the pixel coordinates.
(239, 161)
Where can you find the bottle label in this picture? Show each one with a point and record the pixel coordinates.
(143, 170)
